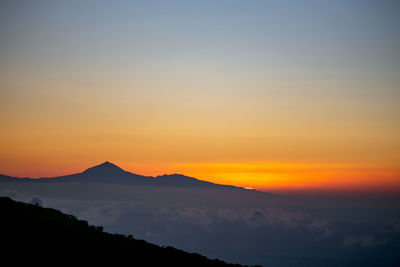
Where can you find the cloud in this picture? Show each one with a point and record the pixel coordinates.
(102, 215)
(14, 194)
(392, 226)
(363, 241)
(397, 227)
(252, 217)
(227, 215)
(271, 216)
(199, 216)
(322, 226)
(36, 200)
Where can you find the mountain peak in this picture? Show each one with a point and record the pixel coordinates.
(105, 168)
(107, 164)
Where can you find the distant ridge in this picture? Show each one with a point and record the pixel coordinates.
(109, 173)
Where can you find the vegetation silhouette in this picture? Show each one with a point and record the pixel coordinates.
(30, 233)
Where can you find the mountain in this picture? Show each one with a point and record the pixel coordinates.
(109, 173)
(105, 168)
(42, 236)
(106, 173)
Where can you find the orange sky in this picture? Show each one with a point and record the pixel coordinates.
(285, 100)
(261, 176)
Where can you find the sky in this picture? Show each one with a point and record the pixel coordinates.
(273, 95)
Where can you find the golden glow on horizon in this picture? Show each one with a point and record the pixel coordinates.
(267, 177)
(298, 176)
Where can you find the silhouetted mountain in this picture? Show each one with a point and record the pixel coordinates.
(106, 173)
(42, 236)
(179, 180)
(104, 169)
(6, 178)
(109, 173)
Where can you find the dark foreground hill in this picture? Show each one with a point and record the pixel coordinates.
(34, 234)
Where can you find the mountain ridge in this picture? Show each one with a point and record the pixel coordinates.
(110, 173)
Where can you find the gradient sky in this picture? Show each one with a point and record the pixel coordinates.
(265, 94)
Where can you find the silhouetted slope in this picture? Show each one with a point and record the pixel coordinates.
(41, 235)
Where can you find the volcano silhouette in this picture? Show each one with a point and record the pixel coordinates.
(109, 173)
